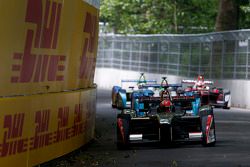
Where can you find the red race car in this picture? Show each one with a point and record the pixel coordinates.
(217, 97)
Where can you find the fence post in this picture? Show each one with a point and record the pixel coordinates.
(130, 55)
(222, 58)
(190, 59)
(103, 52)
(168, 58)
(235, 59)
(112, 52)
(148, 55)
(139, 67)
(158, 56)
(199, 58)
(211, 60)
(122, 49)
(179, 58)
(247, 58)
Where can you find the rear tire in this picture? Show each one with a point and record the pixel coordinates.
(226, 106)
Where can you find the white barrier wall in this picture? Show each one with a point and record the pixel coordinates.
(105, 78)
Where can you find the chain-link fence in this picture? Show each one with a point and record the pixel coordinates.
(95, 3)
(216, 55)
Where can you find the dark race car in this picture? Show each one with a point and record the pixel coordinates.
(165, 119)
(217, 97)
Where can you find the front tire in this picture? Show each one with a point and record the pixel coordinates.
(123, 126)
(165, 135)
(208, 128)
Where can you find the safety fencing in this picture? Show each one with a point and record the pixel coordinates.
(95, 3)
(222, 55)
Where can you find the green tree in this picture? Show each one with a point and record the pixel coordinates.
(158, 16)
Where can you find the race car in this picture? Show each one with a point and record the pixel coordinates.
(217, 97)
(121, 95)
(165, 119)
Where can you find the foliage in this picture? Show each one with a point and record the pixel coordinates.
(244, 21)
(159, 16)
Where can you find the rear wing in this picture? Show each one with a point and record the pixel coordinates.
(149, 99)
(138, 81)
(188, 81)
(183, 98)
(161, 86)
(209, 82)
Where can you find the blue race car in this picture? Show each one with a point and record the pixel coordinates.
(121, 96)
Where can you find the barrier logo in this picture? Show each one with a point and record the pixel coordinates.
(12, 142)
(88, 59)
(32, 67)
(42, 136)
(15, 142)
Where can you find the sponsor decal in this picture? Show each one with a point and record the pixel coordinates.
(42, 136)
(63, 131)
(14, 142)
(88, 60)
(39, 67)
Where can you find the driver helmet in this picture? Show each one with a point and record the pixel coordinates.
(200, 82)
(164, 94)
(201, 78)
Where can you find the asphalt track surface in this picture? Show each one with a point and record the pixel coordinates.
(232, 147)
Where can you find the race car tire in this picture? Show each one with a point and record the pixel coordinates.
(165, 135)
(226, 92)
(123, 129)
(207, 117)
(115, 91)
(116, 101)
(226, 107)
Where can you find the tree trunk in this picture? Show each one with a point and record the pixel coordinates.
(175, 17)
(228, 15)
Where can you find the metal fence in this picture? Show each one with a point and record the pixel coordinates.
(95, 3)
(216, 55)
